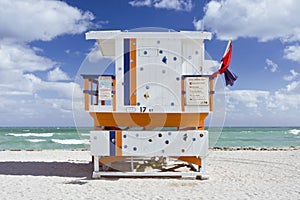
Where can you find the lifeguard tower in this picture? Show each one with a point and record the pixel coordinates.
(151, 112)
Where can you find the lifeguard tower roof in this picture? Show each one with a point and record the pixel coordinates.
(106, 39)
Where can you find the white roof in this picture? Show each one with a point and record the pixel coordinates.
(106, 39)
(117, 34)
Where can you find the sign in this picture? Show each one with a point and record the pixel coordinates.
(197, 91)
(105, 88)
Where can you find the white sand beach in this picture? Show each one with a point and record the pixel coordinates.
(61, 174)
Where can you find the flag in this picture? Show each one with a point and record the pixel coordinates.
(230, 77)
(225, 62)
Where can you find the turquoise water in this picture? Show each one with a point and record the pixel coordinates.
(259, 137)
(34, 138)
(38, 138)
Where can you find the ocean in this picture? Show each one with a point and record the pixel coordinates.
(39, 138)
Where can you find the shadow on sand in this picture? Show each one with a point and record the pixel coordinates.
(60, 169)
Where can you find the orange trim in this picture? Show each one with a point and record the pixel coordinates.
(211, 96)
(118, 143)
(182, 95)
(190, 159)
(201, 124)
(149, 119)
(132, 72)
(114, 95)
(110, 159)
(86, 95)
(92, 97)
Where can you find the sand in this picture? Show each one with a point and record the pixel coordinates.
(238, 174)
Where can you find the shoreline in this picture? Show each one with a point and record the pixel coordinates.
(290, 148)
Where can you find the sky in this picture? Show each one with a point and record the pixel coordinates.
(42, 45)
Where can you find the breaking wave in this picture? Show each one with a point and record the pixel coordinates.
(36, 140)
(294, 131)
(31, 134)
(70, 141)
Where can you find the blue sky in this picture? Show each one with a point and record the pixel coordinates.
(42, 46)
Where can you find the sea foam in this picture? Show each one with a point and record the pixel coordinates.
(70, 141)
(36, 140)
(294, 131)
(31, 134)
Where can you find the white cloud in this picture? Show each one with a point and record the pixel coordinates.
(60, 89)
(35, 111)
(263, 19)
(57, 75)
(94, 59)
(292, 53)
(261, 108)
(140, 3)
(41, 20)
(270, 64)
(291, 77)
(178, 5)
(247, 98)
(31, 84)
(62, 105)
(287, 99)
(26, 99)
(75, 53)
(27, 105)
(18, 56)
(185, 5)
(198, 24)
(16, 61)
(293, 87)
(94, 55)
(19, 89)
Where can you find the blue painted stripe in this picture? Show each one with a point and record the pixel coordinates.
(112, 143)
(126, 72)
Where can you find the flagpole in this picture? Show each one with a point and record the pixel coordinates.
(227, 47)
(226, 50)
(215, 74)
